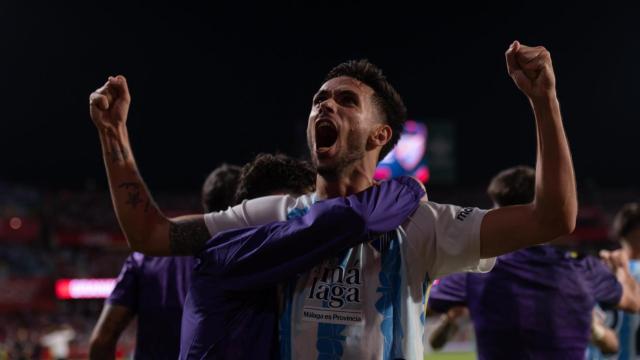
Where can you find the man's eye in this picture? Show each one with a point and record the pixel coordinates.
(348, 100)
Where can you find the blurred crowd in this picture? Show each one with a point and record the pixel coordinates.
(50, 235)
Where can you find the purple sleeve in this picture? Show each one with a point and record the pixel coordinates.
(605, 287)
(125, 293)
(265, 255)
(448, 292)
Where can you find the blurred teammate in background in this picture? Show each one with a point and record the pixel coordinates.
(626, 228)
(154, 288)
(537, 302)
(219, 189)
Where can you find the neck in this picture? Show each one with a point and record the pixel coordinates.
(356, 179)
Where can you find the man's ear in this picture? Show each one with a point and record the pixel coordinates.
(380, 136)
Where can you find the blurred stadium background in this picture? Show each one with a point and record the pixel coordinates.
(215, 83)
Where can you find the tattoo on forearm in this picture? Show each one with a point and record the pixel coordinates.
(115, 150)
(187, 237)
(118, 155)
(134, 195)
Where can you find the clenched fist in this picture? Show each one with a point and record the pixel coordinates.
(531, 69)
(109, 105)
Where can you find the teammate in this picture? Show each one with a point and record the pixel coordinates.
(231, 309)
(154, 289)
(277, 174)
(161, 283)
(537, 302)
(355, 118)
(219, 188)
(626, 228)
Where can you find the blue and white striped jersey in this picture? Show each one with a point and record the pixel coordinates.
(367, 303)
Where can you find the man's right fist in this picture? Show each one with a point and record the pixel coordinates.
(109, 105)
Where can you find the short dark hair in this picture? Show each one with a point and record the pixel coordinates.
(219, 188)
(513, 186)
(269, 173)
(626, 220)
(385, 96)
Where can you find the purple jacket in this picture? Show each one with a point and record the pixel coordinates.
(536, 303)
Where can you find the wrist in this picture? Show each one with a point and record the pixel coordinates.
(544, 99)
(598, 332)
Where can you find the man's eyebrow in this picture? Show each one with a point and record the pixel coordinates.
(345, 91)
(320, 92)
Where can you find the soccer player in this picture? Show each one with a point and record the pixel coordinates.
(277, 174)
(167, 279)
(356, 117)
(231, 308)
(626, 228)
(154, 288)
(219, 188)
(537, 302)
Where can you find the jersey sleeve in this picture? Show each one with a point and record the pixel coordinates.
(253, 212)
(604, 284)
(125, 292)
(448, 292)
(445, 239)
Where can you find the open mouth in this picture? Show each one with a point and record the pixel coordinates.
(326, 135)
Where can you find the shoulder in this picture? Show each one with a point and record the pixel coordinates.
(254, 212)
(432, 217)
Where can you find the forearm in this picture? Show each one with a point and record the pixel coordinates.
(604, 338)
(630, 300)
(142, 222)
(99, 351)
(443, 332)
(555, 204)
(112, 322)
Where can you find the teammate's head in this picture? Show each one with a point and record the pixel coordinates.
(219, 188)
(626, 225)
(513, 186)
(271, 174)
(356, 114)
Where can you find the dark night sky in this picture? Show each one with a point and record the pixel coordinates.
(222, 81)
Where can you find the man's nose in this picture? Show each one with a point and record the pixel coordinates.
(328, 105)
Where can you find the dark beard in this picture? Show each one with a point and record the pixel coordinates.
(342, 165)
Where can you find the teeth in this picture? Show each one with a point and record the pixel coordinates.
(323, 124)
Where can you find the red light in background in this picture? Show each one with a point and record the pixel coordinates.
(84, 288)
(62, 289)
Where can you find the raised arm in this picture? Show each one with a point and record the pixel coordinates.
(146, 228)
(554, 209)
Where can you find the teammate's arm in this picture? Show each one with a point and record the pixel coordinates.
(602, 336)
(112, 322)
(554, 209)
(146, 228)
(446, 328)
(618, 262)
